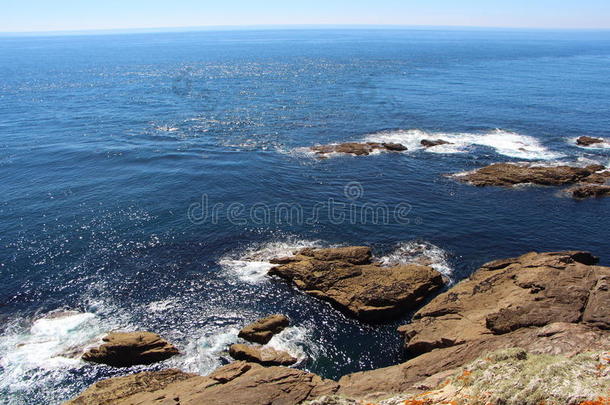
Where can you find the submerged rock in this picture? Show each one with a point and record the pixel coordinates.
(357, 148)
(121, 349)
(589, 190)
(348, 279)
(426, 143)
(264, 329)
(532, 290)
(588, 141)
(267, 356)
(236, 383)
(510, 174)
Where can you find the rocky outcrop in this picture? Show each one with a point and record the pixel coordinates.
(357, 148)
(349, 279)
(122, 349)
(589, 190)
(267, 356)
(588, 141)
(264, 329)
(535, 289)
(424, 372)
(427, 143)
(236, 383)
(510, 174)
(514, 377)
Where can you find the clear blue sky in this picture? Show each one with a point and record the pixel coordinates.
(61, 15)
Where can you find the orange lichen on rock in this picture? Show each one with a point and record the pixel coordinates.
(598, 401)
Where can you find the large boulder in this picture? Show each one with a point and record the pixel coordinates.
(267, 356)
(122, 349)
(264, 329)
(352, 282)
(510, 174)
(356, 148)
(535, 289)
(588, 141)
(236, 383)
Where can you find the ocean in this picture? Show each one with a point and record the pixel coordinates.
(147, 179)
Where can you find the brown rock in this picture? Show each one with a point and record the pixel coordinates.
(509, 174)
(122, 349)
(236, 383)
(395, 147)
(589, 190)
(532, 290)
(263, 330)
(423, 372)
(428, 143)
(348, 279)
(357, 148)
(266, 356)
(588, 141)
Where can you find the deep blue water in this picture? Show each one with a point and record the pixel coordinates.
(107, 142)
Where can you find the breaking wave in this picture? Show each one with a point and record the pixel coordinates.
(253, 264)
(420, 252)
(503, 142)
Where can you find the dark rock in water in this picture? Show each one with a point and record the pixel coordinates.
(509, 174)
(122, 349)
(263, 330)
(589, 190)
(428, 143)
(348, 279)
(236, 383)
(588, 141)
(532, 290)
(266, 356)
(357, 148)
(396, 147)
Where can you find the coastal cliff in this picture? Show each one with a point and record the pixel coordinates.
(538, 320)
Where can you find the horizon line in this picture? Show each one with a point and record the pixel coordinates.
(94, 31)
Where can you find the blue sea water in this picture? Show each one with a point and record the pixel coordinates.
(112, 147)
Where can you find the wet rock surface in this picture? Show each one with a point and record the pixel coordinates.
(357, 148)
(427, 143)
(589, 190)
(125, 349)
(510, 174)
(588, 141)
(350, 280)
(264, 329)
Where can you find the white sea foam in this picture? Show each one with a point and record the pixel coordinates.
(210, 351)
(206, 354)
(252, 264)
(160, 306)
(294, 340)
(503, 142)
(51, 345)
(421, 253)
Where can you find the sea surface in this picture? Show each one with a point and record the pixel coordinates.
(147, 179)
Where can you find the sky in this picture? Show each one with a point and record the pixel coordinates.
(69, 15)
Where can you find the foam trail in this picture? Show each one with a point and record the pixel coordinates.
(253, 264)
(503, 142)
(420, 252)
(40, 356)
(294, 340)
(206, 354)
